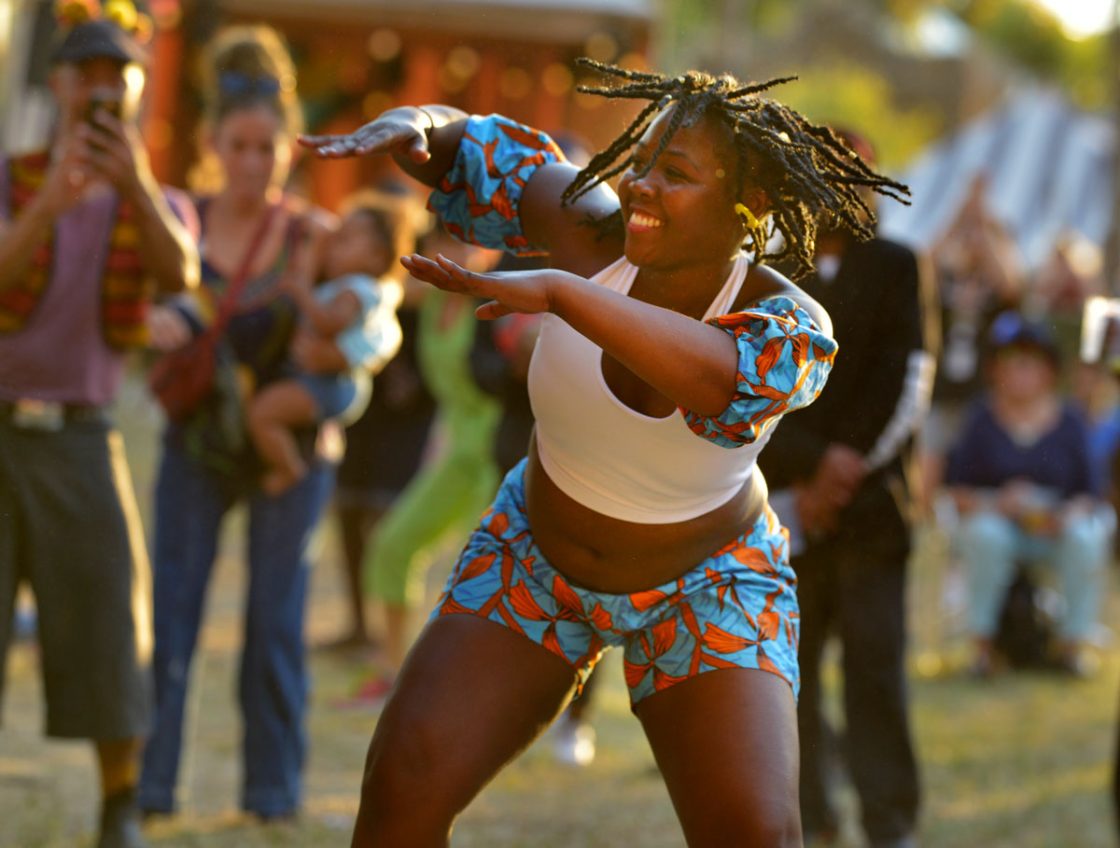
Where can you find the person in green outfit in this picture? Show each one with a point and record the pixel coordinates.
(452, 490)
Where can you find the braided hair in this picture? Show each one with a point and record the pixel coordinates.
(806, 170)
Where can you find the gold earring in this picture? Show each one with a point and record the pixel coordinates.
(744, 212)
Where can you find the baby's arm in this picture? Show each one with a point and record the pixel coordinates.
(330, 318)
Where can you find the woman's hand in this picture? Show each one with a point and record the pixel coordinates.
(167, 329)
(507, 291)
(403, 131)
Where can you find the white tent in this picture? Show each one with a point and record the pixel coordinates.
(1048, 167)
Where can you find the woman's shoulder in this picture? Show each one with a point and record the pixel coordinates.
(765, 286)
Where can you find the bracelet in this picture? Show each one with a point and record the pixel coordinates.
(431, 120)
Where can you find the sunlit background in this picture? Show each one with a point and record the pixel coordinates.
(1015, 100)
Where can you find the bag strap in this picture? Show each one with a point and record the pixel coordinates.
(228, 303)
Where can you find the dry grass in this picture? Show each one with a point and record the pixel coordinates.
(1022, 762)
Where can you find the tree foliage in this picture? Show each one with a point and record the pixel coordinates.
(1033, 38)
(853, 96)
(1021, 31)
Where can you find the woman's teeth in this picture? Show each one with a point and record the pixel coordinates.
(638, 219)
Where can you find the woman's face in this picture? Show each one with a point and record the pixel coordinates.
(254, 154)
(1021, 373)
(683, 210)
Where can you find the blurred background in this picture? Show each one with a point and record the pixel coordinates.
(1021, 90)
(1004, 109)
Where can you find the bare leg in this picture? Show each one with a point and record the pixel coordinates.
(272, 414)
(397, 618)
(119, 764)
(726, 743)
(471, 696)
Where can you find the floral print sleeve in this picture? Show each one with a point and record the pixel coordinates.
(478, 198)
(784, 360)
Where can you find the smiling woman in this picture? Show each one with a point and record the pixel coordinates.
(630, 523)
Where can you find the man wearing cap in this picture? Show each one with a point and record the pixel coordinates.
(87, 238)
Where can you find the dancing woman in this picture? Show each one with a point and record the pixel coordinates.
(666, 356)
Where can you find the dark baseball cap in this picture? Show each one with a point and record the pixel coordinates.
(98, 39)
(1012, 329)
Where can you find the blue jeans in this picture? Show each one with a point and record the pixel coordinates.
(190, 504)
(991, 546)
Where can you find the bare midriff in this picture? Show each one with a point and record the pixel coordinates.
(606, 554)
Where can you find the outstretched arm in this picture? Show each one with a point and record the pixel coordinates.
(423, 140)
(690, 362)
(498, 183)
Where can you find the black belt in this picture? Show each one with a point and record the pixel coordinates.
(32, 414)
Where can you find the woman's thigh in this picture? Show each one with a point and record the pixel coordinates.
(726, 744)
(471, 696)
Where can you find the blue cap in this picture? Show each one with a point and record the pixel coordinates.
(1011, 329)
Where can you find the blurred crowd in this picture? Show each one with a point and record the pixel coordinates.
(336, 383)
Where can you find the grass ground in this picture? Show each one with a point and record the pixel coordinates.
(1021, 762)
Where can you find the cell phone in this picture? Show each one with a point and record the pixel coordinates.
(112, 105)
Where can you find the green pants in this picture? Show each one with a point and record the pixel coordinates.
(451, 493)
(446, 497)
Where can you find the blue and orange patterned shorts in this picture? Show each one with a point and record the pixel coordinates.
(736, 609)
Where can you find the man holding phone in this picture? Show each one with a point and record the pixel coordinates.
(87, 239)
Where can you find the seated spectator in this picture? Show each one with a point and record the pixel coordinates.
(979, 274)
(1027, 491)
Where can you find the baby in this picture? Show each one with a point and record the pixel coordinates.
(356, 310)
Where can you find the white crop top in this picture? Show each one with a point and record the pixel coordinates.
(611, 458)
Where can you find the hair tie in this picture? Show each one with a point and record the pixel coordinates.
(237, 84)
(747, 215)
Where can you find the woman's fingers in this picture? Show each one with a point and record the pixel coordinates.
(427, 271)
(491, 310)
(368, 139)
(329, 146)
(452, 267)
(314, 140)
(418, 150)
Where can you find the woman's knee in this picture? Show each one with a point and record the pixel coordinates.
(406, 760)
(1084, 546)
(987, 534)
(773, 821)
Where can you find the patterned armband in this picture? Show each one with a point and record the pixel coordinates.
(478, 199)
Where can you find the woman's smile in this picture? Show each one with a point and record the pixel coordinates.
(641, 222)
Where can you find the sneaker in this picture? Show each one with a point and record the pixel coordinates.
(120, 822)
(573, 743)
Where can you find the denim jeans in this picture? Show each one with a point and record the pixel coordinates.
(991, 546)
(191, 502)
